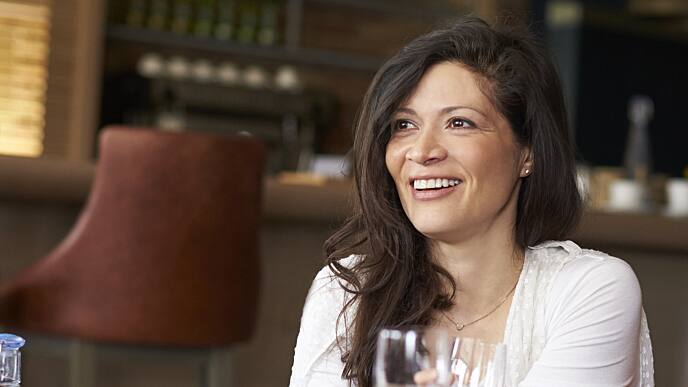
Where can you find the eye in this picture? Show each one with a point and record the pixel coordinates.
(460, 123)
(402, 125)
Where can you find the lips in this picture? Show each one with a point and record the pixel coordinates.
(433, 187)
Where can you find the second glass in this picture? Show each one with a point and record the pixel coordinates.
(478, 364)
(402, 353)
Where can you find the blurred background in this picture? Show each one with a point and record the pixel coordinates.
(292, 73)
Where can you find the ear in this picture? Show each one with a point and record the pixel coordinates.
(526, 161)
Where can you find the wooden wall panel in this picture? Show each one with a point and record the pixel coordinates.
(74, 78)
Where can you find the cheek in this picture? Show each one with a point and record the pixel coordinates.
(388, 160)
(393, 161)
(493, 164)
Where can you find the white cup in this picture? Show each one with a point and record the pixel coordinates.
(677, 197)
(626, 195)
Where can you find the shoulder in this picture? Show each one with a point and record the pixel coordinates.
(596, 271)
(591, 265)
(589, 280)
(572, 264)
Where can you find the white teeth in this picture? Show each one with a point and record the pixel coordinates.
(421, 184)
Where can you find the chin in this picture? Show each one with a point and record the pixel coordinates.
(434, 229)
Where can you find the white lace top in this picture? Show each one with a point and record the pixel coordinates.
(576, 319)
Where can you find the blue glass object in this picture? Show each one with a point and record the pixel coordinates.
(10, 360)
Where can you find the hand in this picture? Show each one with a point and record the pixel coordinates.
(425, 377)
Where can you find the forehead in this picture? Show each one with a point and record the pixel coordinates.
(450, 83)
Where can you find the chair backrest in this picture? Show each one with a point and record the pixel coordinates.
(164, 252)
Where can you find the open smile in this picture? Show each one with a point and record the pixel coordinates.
(434, 187)
(436, 183)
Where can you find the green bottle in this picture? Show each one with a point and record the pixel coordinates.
(268, 31)
(225, 24)
(181, 16)
(248, 21)
(136, 13)
(205, 12)
(157, 18)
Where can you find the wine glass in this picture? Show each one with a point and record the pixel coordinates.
(478, 364)
(402, 353)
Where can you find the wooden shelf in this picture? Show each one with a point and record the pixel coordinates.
(432, 10)
(302, 56)
(265, 101)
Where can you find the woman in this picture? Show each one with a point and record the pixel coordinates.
(466, 187)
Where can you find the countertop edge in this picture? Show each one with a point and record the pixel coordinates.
(329, 202)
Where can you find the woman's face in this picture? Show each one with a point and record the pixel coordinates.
(454, 158)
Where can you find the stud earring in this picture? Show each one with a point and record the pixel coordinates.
(526, 172)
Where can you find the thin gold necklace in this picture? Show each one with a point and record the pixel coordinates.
(459, 326)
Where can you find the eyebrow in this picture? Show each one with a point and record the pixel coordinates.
(445, 110)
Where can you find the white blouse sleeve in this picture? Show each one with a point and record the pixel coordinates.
(317, 358)
(592, 325)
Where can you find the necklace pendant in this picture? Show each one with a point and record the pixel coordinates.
(460, 326)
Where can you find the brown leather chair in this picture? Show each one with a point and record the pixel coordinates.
(164, 253)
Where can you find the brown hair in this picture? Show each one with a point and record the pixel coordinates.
(396, 284)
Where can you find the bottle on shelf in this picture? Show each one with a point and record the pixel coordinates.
(158, 15)
(248, 21)
(205, 12)
(268, 29)
(181, 16)
(10, 359)
(633, 193)
(225, 23)
(136, 13)
(637, 157)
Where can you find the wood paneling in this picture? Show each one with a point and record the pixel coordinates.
(74, 78)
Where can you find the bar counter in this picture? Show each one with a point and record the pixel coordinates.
(46, 180)
(327, 201)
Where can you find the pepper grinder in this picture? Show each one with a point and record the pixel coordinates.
(637, 157)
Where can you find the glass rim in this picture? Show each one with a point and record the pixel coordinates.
(9, 341)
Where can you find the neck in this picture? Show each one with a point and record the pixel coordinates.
(484, 268)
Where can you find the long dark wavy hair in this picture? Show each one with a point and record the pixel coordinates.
(396, 283)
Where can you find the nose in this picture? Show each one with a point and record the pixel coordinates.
(426, 149)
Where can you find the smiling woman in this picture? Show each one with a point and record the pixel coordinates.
(467, 192)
